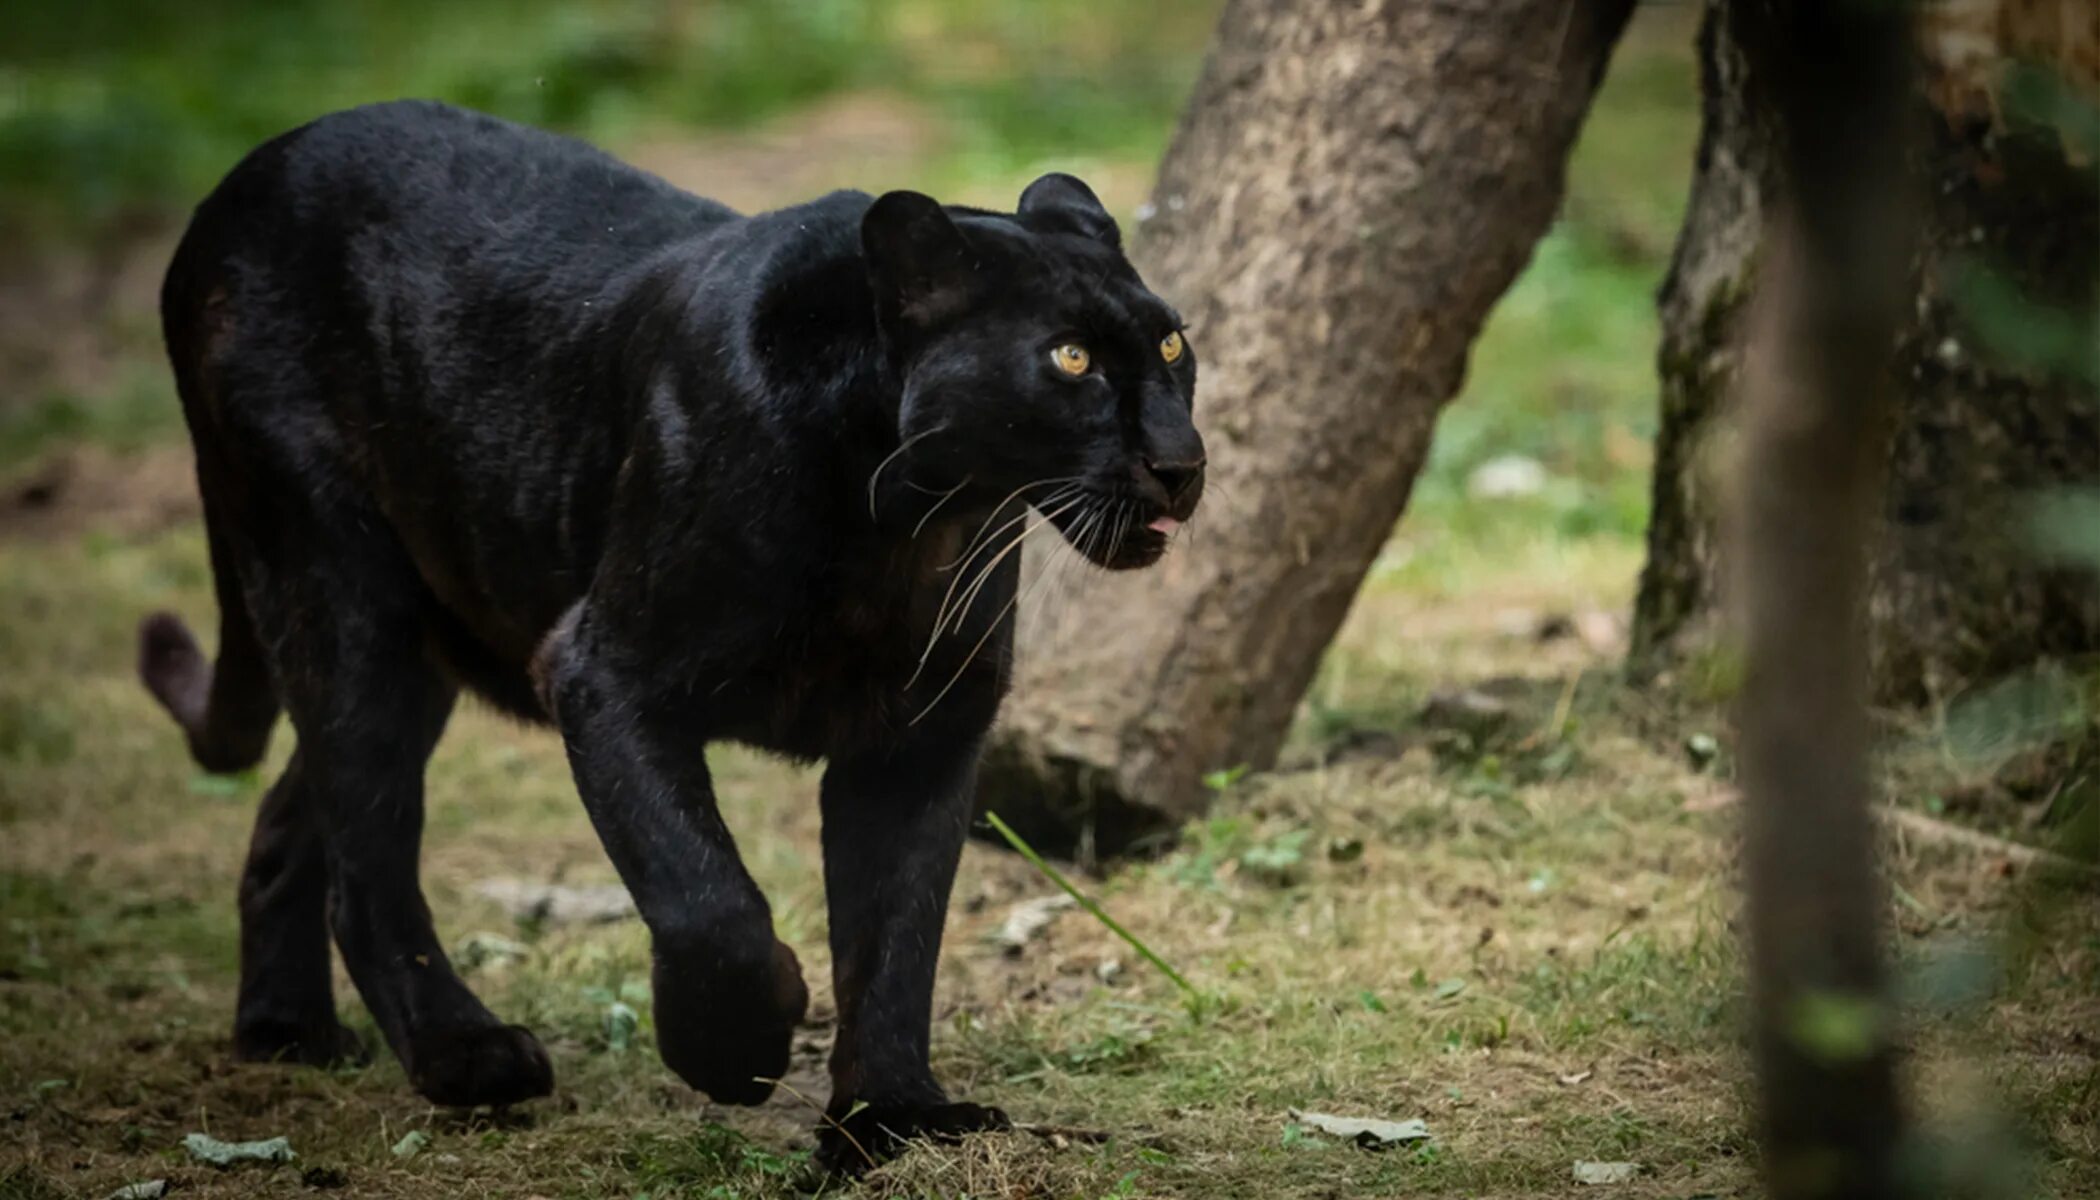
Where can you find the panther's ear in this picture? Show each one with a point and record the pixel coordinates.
(921, 266)
(1064, 201)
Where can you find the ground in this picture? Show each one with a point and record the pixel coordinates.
(1490, 887)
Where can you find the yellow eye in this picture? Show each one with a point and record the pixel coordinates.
(1171, 346)
(1071, 358)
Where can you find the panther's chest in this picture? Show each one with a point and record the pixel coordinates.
(875, 652)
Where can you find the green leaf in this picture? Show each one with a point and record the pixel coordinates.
(207, 1149)
(2022, 332)
(2063, 527)
(1278, 860)
(621, 1022)
(239, 783)
(1086, 902)
(1835, 1027)
(2027, 711)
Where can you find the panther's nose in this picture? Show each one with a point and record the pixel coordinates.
(1176, 477)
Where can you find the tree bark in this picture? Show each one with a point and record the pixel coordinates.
(1833, 86)
(1351, 188)
(1955, 596)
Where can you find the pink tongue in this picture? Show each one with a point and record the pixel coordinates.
(1164, 525)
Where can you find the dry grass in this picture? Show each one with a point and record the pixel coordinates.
(1531, 950)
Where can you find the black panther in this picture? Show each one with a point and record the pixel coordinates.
(477, 406)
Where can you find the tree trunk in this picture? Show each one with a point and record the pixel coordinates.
(1997, 401)
(1351, 188)
(1834, 85)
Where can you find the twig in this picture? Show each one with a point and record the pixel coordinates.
(1086, 1137)
(1067, 1133)
(1035, 860)
(1934, 830)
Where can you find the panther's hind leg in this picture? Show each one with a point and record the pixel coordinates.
(286, 1011)
(343, 616)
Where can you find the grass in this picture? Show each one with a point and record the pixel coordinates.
(1518, 930)
(1538, 963)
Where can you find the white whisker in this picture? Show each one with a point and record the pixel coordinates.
(979, 545)
(1070, 487)
(940, 617)
(1054, 572)
(937, 506)
(992, 626)
(984, 573)
(876, 474)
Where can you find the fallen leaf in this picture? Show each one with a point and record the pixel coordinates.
(411, 1144)
(620, 1024)
(1370, 1133)
(1471, 711)
(1713, 800)
(207, 1149)
(557, 904)
(1599, 631)
(1596, 1173)
(1027, 920)
(488, 949)
(1450, 988)
(151, 1189)
(1702, 749)
(1507, 477)
(1577, 1079)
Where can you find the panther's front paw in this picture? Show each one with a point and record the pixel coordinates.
(729, 1035)
(870, 1133)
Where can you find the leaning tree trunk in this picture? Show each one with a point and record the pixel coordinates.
(1351, 188)
(1982, 420)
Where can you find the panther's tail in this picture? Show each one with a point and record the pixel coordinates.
(227, 708)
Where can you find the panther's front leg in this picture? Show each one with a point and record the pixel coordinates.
(894, 823)
(728, 993)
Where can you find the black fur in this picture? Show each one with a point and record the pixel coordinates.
(479, 406)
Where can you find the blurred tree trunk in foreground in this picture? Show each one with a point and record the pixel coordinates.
(1833, 91)
(1351, 188)
(1995, 356)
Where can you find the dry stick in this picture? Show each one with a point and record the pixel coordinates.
(1930, 829)
(1815, 403)
(1027, 851)
(1088, 1137)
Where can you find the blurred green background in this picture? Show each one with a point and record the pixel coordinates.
(117, 115)
(123, 107)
